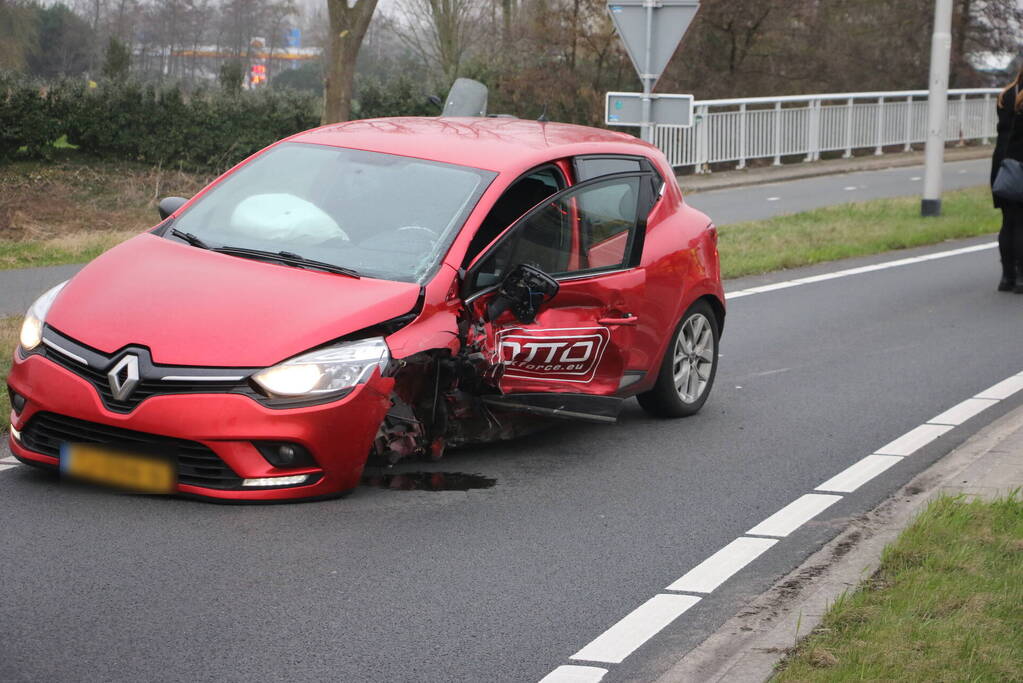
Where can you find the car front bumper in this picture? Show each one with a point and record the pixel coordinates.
(339, 434)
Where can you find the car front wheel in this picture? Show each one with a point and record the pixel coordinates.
(688, 368)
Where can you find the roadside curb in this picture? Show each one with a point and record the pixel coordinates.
(749, 646)
(723, 180)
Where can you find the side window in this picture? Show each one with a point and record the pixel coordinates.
(522, 196)
(588, 168)
(585, 230)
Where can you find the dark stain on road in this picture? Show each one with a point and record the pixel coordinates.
(428, 481)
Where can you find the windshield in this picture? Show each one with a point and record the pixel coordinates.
(385, 216)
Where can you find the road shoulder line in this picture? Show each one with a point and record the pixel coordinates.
(749, 645)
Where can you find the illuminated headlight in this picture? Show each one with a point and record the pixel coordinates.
(325, 371)
(32, 328)
(293, 480)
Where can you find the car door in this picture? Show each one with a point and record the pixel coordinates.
(589, 238)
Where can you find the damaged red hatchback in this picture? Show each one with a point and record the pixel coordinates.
(389, 287)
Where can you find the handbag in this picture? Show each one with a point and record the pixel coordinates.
(1008, 183)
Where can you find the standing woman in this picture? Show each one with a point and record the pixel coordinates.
(1009, 145)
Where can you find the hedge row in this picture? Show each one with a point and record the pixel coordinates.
(202, 131)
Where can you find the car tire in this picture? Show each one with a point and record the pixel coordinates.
(678, 391)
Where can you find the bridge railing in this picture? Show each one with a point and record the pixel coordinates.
(739, 130)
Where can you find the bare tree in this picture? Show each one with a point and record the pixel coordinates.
(348, 21)
(440, 31)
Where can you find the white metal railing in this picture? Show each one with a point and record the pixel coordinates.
(774, 127)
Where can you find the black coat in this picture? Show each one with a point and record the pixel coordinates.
(1009, 144)
(1005, 117)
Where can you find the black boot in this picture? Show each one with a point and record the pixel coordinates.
(1007, 283)
(1018, 288)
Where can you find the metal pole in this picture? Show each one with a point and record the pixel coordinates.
(937, 107)
(647, 77)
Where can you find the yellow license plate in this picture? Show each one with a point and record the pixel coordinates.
(137, 472)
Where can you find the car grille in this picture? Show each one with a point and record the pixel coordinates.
(145, 387)
(197, 464)
(151, 382)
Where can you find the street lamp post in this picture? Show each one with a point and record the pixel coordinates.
(937, 107)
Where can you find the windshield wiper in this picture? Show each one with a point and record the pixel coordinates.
(190, 238)
(288, 257)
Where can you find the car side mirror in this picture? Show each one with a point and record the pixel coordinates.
(524, 290)
(169, 205)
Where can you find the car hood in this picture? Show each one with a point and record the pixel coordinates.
(190, 306)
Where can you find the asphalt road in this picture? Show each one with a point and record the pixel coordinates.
(776, 199)
(584, 524)
(19, 288)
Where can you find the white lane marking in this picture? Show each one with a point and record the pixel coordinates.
(575, 674)
(768, 373)
(722, 565)
(850, 188)
(9, 460)
(960, 413)
(7, 467)
(642, 624)
(773, 199)
(794, 515)
(860, 270)
(855, 476)
(916, 177)
(913, 440)
(1004, 389)
(619, 641)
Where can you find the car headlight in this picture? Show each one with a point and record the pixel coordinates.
(32, 328)
(325, 371)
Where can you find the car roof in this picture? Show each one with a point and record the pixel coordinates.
(496, 144)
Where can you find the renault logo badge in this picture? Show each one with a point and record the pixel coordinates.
(124, 377)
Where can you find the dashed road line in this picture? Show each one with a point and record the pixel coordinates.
(719, 567)
(855, 476)
(914, 440)
(794, 515)
(1003, 389)
(642, 624)
(960, 413)
(575, 674)
(650, 618)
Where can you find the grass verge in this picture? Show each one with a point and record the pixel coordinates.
(77, 247)
(848, 230)
(946, 604)
(73, 208)
(9, 328)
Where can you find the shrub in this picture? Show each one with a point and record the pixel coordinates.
(205, 131)
(29, 117)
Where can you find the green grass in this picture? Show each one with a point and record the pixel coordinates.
(859, 229)
(9, 329)
(946, 604)
(74, 248)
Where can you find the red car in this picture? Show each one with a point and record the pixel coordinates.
(389, 287)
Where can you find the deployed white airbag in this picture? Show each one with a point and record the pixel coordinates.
(284, 217)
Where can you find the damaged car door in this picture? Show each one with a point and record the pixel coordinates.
(555, 300)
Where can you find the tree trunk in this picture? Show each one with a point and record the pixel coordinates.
(348, 25)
